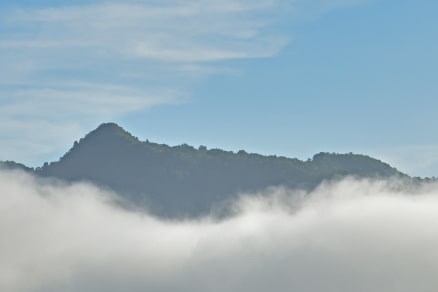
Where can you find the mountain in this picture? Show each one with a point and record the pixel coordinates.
(182, 181)
(11, 165)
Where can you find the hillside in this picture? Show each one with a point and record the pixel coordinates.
(184, 181)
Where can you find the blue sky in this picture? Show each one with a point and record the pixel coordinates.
(290, 78)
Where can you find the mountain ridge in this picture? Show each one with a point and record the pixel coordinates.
(181, 181)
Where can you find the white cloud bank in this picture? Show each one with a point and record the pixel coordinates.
(348, 236)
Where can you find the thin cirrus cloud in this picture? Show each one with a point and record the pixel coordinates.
(189, 31)
(97, 60)
(78, 65)
(53, 43)
(49, 117)
(352, 235)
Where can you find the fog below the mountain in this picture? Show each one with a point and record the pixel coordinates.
(351, 235)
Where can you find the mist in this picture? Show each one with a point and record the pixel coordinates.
(349, 235)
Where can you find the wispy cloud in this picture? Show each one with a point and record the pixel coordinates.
(73, 63)
(82, 64)
(43, 137)
(184, 31)
(37, 121)
(81, 100)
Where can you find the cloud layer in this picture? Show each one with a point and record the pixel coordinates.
(347, 236)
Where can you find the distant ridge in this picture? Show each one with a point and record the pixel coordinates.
(183, 181)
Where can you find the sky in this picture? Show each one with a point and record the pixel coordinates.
(291, 78)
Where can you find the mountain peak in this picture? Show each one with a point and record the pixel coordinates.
(184, 181)
(107, 139)
(109, 127)
(109, 132)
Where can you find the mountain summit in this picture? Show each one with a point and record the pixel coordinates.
(185, 181)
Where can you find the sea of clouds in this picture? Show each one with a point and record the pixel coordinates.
(351, 235)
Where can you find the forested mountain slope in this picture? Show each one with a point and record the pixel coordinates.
(184, 181)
